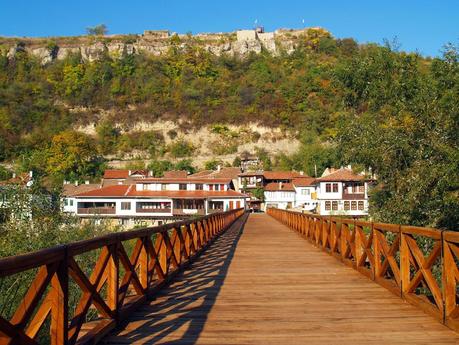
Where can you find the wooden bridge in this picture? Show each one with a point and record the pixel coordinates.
(231, 278)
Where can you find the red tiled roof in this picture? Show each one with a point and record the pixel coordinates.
(123, 173)
(116, 173)
(279, 187)
(115, 190)
(227, 172)
(186, 194)
(341, 175)
(304, 181)
(175, 174)
(281, 175)
(20, 179)
(186, 180)
(202, 173)
(130, 191)
(71, 189)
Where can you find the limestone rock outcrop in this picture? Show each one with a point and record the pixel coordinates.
(240, 43)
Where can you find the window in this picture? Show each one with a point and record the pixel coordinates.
(361, 205)
(305, 192)
(144, 186)
(163, 186)
(125, 205)
(222, 187)
(362, 188)
(347, 206)
(327, 205)
(335, 187)
(211, 187)
(335, 205)
(71, 202)
(328, 187)
(354, 205)
(216, 187)
(66, 202)
(182, 186)
(199, 186)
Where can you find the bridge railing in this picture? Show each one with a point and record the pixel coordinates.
(118, 283)
(417, 264)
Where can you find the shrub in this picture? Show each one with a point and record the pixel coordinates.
(213, 164)
(181, 148)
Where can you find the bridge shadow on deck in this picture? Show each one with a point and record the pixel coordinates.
(183, 306)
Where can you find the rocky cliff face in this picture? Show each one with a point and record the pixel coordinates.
(239, 43)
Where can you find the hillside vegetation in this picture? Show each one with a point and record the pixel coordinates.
(368, 105)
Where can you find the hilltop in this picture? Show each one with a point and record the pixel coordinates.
(158, 42)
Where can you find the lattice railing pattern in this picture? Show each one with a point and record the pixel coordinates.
(417, 264)
(118, 283)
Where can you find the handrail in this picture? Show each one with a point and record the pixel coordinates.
(118, 283)
(417, 264)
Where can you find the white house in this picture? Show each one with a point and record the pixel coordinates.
(155, 200)
(279, 195)
(305, 193)
(342, 192)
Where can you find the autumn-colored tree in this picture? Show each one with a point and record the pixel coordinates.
(69, 155)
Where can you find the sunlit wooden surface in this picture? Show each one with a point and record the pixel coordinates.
(267, 285)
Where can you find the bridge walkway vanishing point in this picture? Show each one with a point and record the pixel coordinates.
(265, 284)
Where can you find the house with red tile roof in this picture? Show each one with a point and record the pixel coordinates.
(279, 195)
(305, 193)
(252, 180)
(342, 192)
(119, 176)
(152, 201)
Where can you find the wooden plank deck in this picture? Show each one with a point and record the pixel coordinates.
(267, 285)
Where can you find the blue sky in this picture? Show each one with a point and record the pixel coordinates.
(419, 25)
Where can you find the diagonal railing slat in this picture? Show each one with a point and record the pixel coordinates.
(127, 280)
(421, 265)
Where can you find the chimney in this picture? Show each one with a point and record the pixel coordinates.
(14, 175)
(219, 167)
(301, 172)
(280, 185)
(30, 173)
(86, 182)
(150, 173)
(129, 172)
(349, 167)
(76, 183)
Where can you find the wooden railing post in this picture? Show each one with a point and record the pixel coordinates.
(113, 281)
(59, 308)
(404, 263)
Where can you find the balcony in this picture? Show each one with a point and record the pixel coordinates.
(353, 196)
(153, 210)
(96, 210)
(188, 212)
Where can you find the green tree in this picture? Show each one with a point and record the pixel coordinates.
(107, 137)
(159, 167)
(213, 164)
(98, 30)
(186, 165)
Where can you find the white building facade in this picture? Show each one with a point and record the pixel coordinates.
(342, 193)
(155, 199)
